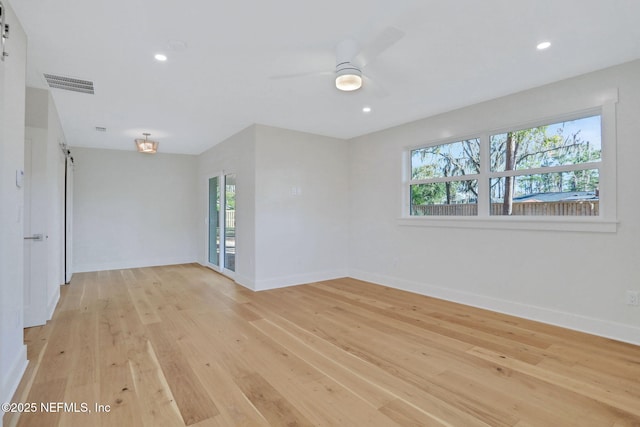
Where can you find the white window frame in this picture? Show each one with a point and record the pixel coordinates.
(207, 243)
(223, 221)
(606, 221)
(455, 178)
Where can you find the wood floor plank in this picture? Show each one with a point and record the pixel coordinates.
(59, 355)
(146, 312)
(345, 365)
(157, 403)
(277, 410)
(42, 394)
(469, 335)
(621, 401)
(406, 415)
(235, 408)
(296, 381)
(191, 398)
(353, 383)
(619, 362)
(181, 345)
(531, 398)
(83, 398)
(35, 339)
(360, 387)
(115, 378)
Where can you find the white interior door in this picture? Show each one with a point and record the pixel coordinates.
(35, 237)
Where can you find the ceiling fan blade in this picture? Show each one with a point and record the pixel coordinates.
(383, 41)
(377, 90)
(298, 75)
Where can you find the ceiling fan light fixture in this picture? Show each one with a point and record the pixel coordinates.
(348, 77)
(146, 145)
(349, 82)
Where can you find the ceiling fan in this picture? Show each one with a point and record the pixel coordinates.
(352, 59)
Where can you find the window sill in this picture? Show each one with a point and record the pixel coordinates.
(589, 225)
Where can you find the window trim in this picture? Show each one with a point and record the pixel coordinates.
(605, 222)
(543, 223)
(456, 178)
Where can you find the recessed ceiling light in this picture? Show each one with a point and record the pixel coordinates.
(160, 57)
(366, 109)
(543, 45)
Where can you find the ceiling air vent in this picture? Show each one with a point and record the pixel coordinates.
(69, 83)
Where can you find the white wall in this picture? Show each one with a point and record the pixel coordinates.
(132, 209)
(575, 279)
(235, 155)
(56, 225)
(301, 207)
(291, 205)
(13, 358)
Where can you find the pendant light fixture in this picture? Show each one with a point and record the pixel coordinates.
(146, 145)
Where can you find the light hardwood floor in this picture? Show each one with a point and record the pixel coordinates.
(182, 345)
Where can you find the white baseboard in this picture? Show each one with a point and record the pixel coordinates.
(120, 265)
(298, 279)
(53, 302)
(11, 380)
(284, 281)
(238, 278)
(245, 282)
(590, 325)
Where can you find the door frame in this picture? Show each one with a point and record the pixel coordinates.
(215, 267)
(68, 218)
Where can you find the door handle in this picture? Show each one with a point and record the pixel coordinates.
(37, 237)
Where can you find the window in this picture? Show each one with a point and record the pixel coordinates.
(551, 170)
(547, 170)
(214, 221)
(230, 222)
(444, 178)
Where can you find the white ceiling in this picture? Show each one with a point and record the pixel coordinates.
(454, 53)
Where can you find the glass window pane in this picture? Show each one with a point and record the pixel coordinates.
(214, 221)
(454, 159)
(566, 143)
(445, 198)
(560, 194)
(230, 223)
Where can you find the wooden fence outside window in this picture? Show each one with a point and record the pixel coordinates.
(577, 208)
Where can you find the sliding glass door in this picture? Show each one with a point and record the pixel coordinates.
(221, 242)
(230, 223)
(214, 221)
